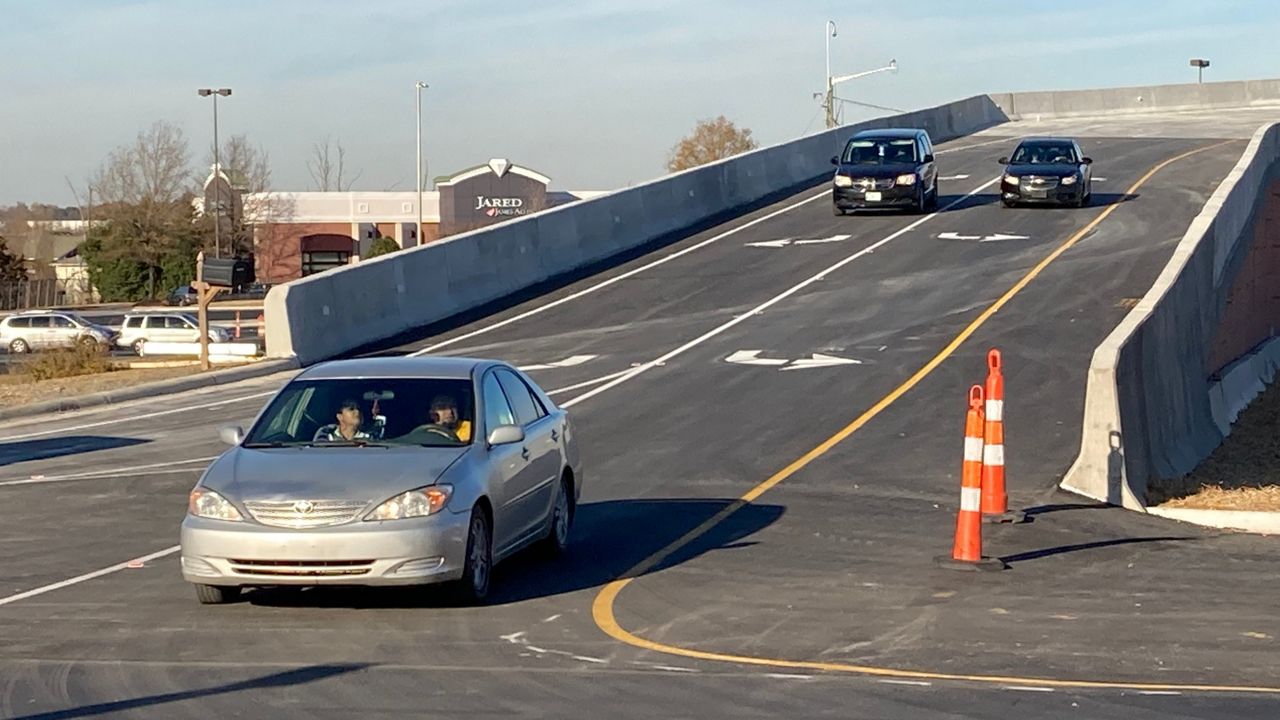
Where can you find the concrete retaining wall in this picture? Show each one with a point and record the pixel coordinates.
(1152, 407)
(334, 312)
(1138, 99)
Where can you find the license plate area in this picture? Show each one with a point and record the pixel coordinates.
(1039, 194)
(873, 196)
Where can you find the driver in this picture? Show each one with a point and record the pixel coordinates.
(347, 428)
(444, 412)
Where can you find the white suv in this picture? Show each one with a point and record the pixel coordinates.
(140, 328)
(30, 330)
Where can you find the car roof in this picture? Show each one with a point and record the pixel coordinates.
(451, 368)
(1045, 140)
(888, 133)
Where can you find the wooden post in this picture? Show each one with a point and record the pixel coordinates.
(206, 294)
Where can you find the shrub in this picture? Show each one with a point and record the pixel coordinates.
(85, 359)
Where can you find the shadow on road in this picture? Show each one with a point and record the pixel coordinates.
(1063, 549)
(47, 448)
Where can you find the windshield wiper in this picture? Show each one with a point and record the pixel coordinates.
(271, 444)
(347, 444)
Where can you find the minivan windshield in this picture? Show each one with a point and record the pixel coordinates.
(367, 412)
(880, 151)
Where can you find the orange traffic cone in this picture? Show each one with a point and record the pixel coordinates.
(995, 500)
(966, 553)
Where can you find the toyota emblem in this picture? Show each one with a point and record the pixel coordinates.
(304, 507)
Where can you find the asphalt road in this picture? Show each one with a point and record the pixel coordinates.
(832, 566)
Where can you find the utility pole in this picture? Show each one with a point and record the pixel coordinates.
(217, 169)
(418, 88)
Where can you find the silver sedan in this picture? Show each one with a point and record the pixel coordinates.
(385, 471)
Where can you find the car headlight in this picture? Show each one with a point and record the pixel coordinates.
(909, 179)
(844, 181)
(1010, 179)
(206, 503)
(1069, 180)
(415, 503)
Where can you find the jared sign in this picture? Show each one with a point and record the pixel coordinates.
(497, 206)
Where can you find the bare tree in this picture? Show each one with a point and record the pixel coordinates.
(710, 140)
(154, 168)
(328, 166)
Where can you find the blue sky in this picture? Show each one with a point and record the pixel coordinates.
(592, 94)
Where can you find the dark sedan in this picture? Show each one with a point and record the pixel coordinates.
(1047, 170)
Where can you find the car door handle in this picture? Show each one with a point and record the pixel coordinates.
(555, 435)
(524, 453)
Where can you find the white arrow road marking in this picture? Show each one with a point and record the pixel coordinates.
(981, 238)
(819, 360)
(567, 362)
(957, 236)
(1000, 236)
(749, 357)
(1098, 179)
(783, 242)
(955, 177)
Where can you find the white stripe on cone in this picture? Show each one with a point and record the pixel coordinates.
(995, 411)
(993, 455)
(970, 499)
(973, 449)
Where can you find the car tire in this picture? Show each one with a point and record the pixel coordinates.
(561, 521)
(19, 347)
(88, 342)
(137, 346)
(933, 197)
(837, 211)
(477, 566)
(1006, 203)
(920, 204)
(216, 594)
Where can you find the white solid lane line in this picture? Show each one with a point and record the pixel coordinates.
(144, 416)
(589, 383)
(88, 576)
(102, 474)
(644, 367)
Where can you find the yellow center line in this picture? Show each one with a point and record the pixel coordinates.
(602, 609)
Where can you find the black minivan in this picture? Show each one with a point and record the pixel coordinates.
(885, 168)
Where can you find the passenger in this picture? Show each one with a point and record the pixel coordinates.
(444, 412)
(347, 428)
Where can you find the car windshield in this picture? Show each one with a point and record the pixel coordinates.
(1037, 154)
(189, 318)
(367, 412)
(880, 151)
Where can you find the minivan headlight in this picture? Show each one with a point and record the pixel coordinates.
(1069, 180)
(908, 179)
(415, 503)
(206, 503)
(1011, 180)
(844, 181)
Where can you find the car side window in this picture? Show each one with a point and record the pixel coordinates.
(154, 323)
(177, 323)
(20, 322)
(497, 411)
(39, 322)
(60, 322)
(526, 409)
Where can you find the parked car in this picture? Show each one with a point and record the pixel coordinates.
(885, 168)
(139, 328)
(30, 330)
(1047, 170)
(436, 469)
(182, 296)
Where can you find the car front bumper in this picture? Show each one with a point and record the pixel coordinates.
(395, 552)
(852, 198)
(1058, 194)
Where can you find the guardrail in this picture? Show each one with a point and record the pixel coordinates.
(1155, 405)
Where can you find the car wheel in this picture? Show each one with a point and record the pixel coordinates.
(477, 569)
(837, 211)
(216, 594)
(921, 204)
(19, 347)
(557, 540)
(137, 346)
(1006, 203)
(88, 342)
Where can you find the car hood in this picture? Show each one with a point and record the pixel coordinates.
(1050, 170)
(877, 171)
(319, 473)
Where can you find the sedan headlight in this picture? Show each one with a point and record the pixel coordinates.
(206, 503)
(415, 503)
(1011, 180)
(909, 179)
(844, 181)
(1069, 180)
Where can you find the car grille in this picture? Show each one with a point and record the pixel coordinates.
(305, 513)
(302, 568)
(1036, 182)
(873, 183)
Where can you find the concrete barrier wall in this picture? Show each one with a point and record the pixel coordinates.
(339, 310)
(1152, 406)
(1138, 99)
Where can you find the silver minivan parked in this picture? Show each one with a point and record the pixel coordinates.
(140, 328)
(385, 471)
(30, 330)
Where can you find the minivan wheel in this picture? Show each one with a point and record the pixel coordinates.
(19, 347)
(920, 202)
(477, 569)
(216, 594)
(137, 346)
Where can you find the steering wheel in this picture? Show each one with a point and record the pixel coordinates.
(436, 430)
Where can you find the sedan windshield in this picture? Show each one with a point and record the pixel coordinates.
(367, 412)
(880, 151)
(1034, 154)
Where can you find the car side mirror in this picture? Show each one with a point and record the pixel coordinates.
(1003, 161)
(928, 158)
(506, 435)
(835, 160)
(231, 434)
(1088, 161)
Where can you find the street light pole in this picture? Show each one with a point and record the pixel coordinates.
(418, 87)
(217, 169)
(829, 97)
